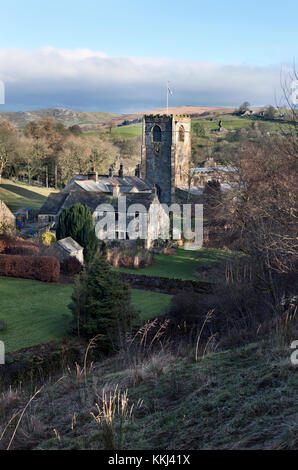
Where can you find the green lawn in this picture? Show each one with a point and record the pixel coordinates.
(183, 264)
(36, 312)
(17, 195)
(151, 304)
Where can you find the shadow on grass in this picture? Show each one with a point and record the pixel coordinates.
(25, 193)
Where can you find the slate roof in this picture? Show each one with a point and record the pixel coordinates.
(53, 202)
(59, 201)
(69, 244)
(224, 169)
(105, 184)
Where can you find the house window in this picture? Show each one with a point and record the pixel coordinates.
(181, 134)
(156, 134)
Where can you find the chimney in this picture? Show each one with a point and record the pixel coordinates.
(93, 175)
(116, 190)
(120, 172)
(137, 170)
(110, 173)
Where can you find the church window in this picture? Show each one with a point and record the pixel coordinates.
(181, 134)
(156, 134)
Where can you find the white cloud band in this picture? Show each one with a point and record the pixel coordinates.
(92, 80)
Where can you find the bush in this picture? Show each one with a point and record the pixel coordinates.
(101, 305)
(71, 266)
(10, 245)
(189, 308)
(41, 268)
(23, 250)
(48, 238)
(126, 257)
(76, 222)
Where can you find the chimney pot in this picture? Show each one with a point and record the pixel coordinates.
(137, 171)
(116, 190)
(120, 173)
(93, 175)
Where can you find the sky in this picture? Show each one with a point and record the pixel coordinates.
(117, 56)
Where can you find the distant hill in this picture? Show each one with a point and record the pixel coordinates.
(91, 121)
(67, 116)
(191, 110)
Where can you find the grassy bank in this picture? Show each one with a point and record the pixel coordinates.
(17, 195)
(36, 312)
(243, 398)
(183, 264)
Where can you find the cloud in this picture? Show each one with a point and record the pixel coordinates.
(91, 80)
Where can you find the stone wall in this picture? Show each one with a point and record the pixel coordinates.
(164, 284)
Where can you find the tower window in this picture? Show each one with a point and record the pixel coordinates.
(156, 134)
(181, 134)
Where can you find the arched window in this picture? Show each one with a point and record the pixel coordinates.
(156, 134)
(181, 134)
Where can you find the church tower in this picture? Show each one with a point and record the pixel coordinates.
(166, 153)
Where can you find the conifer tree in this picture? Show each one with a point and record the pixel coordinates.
(101, 304)
(76, 222)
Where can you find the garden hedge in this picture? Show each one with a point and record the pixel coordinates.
(41, 268)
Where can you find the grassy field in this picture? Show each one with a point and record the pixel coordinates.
(37, 312)
(151, 304)
(127, 132)
(229, 122)
(17, 195)
(183, 264)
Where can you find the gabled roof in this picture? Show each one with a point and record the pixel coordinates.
(105, 184)
(53, 203)
(91, 185)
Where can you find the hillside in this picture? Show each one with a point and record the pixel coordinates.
(18, 195)
(95, 120)
(66, 116)
(242, 398)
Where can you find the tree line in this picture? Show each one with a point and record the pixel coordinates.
(50, 153)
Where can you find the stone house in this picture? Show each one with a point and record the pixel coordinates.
(102, 204)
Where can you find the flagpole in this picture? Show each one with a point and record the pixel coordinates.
(167, 97)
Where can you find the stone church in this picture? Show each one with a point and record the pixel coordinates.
(165, 161)
(166, 153)
(164, 167)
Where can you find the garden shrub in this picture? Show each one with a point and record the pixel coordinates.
(48, 238)
(41, 268)
(76, 222)
(127, 257)
(11, 245)
(71, 266)
(101, 304)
